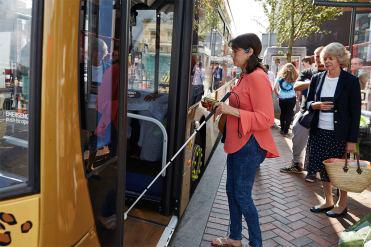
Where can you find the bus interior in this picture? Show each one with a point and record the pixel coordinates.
(150, 45)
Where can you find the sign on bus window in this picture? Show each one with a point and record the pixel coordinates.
(15, 40)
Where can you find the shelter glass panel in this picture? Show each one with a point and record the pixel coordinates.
(361, 60)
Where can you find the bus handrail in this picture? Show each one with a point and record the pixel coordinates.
(164, 133)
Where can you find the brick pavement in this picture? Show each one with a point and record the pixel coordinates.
(283, 202)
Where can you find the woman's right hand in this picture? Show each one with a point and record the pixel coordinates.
(326, 105)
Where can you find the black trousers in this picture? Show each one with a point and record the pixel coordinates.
(287, 113)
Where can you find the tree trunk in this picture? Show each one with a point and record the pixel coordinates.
(292, 30)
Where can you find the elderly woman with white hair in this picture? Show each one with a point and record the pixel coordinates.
(335, 98)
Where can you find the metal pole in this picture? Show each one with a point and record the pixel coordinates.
(123, 88)
(351, 35)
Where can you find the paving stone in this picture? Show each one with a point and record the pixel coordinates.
(302, 241)
(282, 242)
(220, 211)
(297, 224)
(283, 234)
(299, 233)
(217, 226)
(221, 206)
(283, 227)
(318, 239)
(220, 216)
(215, 232)
(295, 217)
(266, 219)
(270, 243)
(280, 212)
(219, 221)
(265, 212)
(268, 234)
(267, 226)
(283, 202)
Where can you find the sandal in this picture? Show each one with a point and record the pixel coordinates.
(223, 242)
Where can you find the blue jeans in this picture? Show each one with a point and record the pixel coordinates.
(241, 170)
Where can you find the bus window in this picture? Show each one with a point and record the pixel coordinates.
(210, 59)
(99, 89)
(99, 78)
(149, 81)
(150, 54)
(15, 48)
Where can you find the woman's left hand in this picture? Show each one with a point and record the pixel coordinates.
(223, 108)
(350, 147)
(220, 108)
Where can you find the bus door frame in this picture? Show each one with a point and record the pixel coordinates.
(123, 87)
(180, 70)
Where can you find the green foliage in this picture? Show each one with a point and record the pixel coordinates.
(294, 19)
(206, 16)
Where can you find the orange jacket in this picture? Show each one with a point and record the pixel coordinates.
(253, 97)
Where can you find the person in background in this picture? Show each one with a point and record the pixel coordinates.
(217, 76)
(198, 83)
(335, 98)
(307, 62)
(271, 76)
(300, 133)
(249, 140)
(356, 70)
(284, 89)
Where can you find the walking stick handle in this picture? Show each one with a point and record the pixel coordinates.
(225, 97)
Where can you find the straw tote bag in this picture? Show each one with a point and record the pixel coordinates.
(351, 176)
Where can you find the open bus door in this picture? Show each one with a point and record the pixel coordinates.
(102, 91)
(146, 119)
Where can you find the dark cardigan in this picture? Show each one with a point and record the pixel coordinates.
(347, 105)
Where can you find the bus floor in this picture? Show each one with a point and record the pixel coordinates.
(144, 225)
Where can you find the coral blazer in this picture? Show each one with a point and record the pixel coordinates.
(253, 97)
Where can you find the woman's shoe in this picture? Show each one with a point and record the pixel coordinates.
(311, 178)
(317, 209)
(224, 242)
(332, 214)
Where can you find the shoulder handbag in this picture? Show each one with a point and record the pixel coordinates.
(306, 119)
(222, 126)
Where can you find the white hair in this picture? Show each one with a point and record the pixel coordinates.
(337, 50)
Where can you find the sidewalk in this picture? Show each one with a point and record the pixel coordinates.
(283, 202)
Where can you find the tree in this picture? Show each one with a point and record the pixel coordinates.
(206, 17)
(294, 19)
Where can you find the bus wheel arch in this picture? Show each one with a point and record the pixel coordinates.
(198, 163)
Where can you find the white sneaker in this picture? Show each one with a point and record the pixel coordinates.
(109, 222)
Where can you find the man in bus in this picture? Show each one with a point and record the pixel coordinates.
(217, 76)
(300, 133)
(198, 83)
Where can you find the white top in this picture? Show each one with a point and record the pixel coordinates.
(97, 78)
(198, 76)
(271, 77)
(326, 118)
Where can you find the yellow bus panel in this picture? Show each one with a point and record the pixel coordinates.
(19, 221)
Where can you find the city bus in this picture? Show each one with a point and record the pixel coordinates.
(95, 97)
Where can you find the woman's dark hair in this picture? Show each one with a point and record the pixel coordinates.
(308, 59)
(247, 41)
